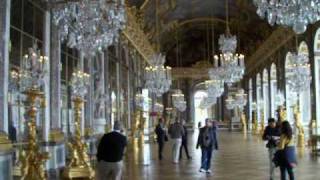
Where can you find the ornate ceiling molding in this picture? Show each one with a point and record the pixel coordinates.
(136, 36)
(191, 73)
(276, 40)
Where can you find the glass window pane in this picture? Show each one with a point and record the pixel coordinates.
(28, 17)
(38, 21)
(16, 10)
(15, 54)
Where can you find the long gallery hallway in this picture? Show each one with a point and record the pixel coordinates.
(239, 158)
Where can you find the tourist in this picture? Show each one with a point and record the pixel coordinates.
(185, 141)
(176, 132)
(286, 154)
(161, 137)
(199, 125)
(110, 154)
(207, 140)
(272, 135)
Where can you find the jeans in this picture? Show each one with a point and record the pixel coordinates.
(272, 151)
(284, 170)
(185, 146)
(206, 154)
(109, 170)
(161, 144)
(176, 149)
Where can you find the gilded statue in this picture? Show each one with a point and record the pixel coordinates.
(299, 126)
(261, 123)
(255, 122)
(243, 122)
(282, 113)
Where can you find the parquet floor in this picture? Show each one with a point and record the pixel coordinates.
(239, 158)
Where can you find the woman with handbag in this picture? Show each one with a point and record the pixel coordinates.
(286, 151)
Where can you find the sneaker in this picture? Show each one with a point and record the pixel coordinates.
(202, 170)
(209, 171)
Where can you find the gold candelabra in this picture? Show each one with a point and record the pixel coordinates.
(32, 160)
(79, 165)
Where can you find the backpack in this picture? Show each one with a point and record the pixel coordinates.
(206, 138)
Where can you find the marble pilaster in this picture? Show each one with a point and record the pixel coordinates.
(55, 76)
(5, 145)
(4, 62)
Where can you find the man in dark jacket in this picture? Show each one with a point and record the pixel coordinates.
(184, 141)
(161, 136)
(110, 153)
(271, 134)
(207, 140)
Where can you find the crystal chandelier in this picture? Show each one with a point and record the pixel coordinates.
(90, 25)
(179, 101)
(215, 86)
(229, 63)
(158, 77)
(236, 100)
(298, 76)
(158, 108)
(34, 67)
(79, 83)
(294, 13)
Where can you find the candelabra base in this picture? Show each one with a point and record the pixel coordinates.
(78, 172)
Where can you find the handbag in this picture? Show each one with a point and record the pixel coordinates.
(166, 138)
(278, 158)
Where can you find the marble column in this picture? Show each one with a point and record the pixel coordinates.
(4, 62)
(105, 61)
(89, 67)
(56, 147)
(46, 50)
(5, 146)
(55, 76)
(99, 121)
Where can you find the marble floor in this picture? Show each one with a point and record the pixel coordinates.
(239, 158)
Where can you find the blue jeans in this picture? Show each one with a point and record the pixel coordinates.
(206, 154)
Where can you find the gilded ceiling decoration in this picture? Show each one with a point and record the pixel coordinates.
(192, 19)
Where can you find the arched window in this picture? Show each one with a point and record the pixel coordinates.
(305, 96)
(265, 97)
(273, 89)
(290, 100)
(259, 99)
(317, 73)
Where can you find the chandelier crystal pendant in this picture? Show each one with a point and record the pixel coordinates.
(179, 101)
(90, 25)
(298, 73)
(236, 100)
(158, 78)
(230, 64)
(293, 13)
